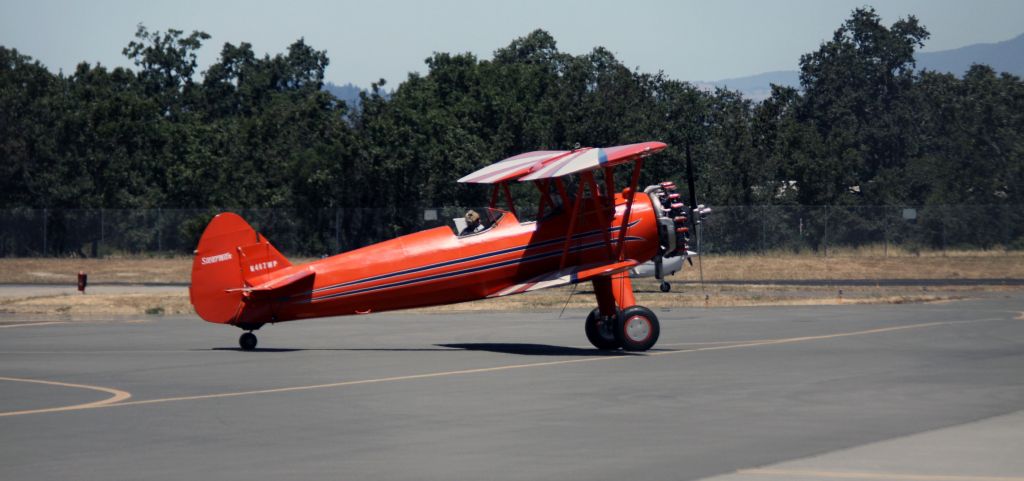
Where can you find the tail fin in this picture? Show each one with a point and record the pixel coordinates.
(231, 255)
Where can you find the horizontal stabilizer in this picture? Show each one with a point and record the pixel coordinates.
(569, 275)
(281, 286)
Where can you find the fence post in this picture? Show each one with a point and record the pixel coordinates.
(1004, 219)
(885, 227)
(828, 215)
(44, 231)
(764, 213)
(943, 219)
(159, 229)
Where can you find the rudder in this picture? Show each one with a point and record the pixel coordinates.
(231, 255)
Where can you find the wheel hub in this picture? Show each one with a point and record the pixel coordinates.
(638, 328)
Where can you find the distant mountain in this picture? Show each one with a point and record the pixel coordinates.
(348, 92)
(1007, 56)
(757, 87)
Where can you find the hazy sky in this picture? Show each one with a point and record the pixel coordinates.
(366, 40)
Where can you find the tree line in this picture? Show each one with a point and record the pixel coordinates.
(865, 128)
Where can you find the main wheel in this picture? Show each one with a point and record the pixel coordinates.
(665, 286)
(247, 342)
(637, 329)
(601, 331)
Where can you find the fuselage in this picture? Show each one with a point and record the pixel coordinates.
(436, 267)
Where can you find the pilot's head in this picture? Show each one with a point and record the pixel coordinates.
(472, 218)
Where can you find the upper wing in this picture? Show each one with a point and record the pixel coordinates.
(593, 158)
(511, 168)
(545, 164)
(569, 275)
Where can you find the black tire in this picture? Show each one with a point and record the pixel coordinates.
(601, 331)
(247, 342)
(665, 286)
(637, 329)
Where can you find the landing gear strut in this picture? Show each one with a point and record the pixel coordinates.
(247, 342)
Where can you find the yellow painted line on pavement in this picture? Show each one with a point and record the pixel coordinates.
(790, 340)
(741, 344)
(366, 381)
(46, 323)
(801, 473)
(710, 343)
(116, 395)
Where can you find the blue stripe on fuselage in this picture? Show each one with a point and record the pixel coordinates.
(470, 270)
(464, 259)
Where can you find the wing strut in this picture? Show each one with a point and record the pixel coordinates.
(494, 196)
(542, 186)
(609, 185)
(562, 192)
(589, 178)
(508, 198)
(498, 187)
(572, 226)
(629, 206)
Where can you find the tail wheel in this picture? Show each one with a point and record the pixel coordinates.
(601, 330)
(637, 329)
(247, 342)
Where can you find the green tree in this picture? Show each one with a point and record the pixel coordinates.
(856, 92)
(167, 63)
(28, 114)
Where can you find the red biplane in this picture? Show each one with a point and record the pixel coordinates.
(586, 233)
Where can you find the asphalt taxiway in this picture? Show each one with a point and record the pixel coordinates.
(914, 391)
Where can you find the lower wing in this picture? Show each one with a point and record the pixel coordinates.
(569, 275)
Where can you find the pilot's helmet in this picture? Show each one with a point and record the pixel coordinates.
(472, 217)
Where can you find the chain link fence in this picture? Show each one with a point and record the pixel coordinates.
(822, 230)
(832, 230)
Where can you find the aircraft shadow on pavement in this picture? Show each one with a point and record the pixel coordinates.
(533, 349)
(502, 348)
(299, 349)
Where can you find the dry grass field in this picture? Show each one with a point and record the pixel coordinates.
(121, 270)
(850, 264)
(76, 306)
(687, 292)
(863, 265)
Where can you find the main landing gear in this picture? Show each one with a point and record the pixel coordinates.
(634, 329)
(610, 327)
